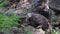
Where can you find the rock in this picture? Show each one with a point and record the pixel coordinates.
(55, 4)
(1, 32)
(16, 30)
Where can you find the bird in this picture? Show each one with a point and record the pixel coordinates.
(37, 21)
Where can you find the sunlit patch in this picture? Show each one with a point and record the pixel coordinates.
(29, 14)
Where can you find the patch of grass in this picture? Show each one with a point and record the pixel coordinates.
(3, 3)
(7, 22)
(29, 32)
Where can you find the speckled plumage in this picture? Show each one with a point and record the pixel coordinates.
(37, 20)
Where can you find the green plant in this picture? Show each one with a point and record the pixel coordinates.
(29, 32)
(3, 3)
(7, 22)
